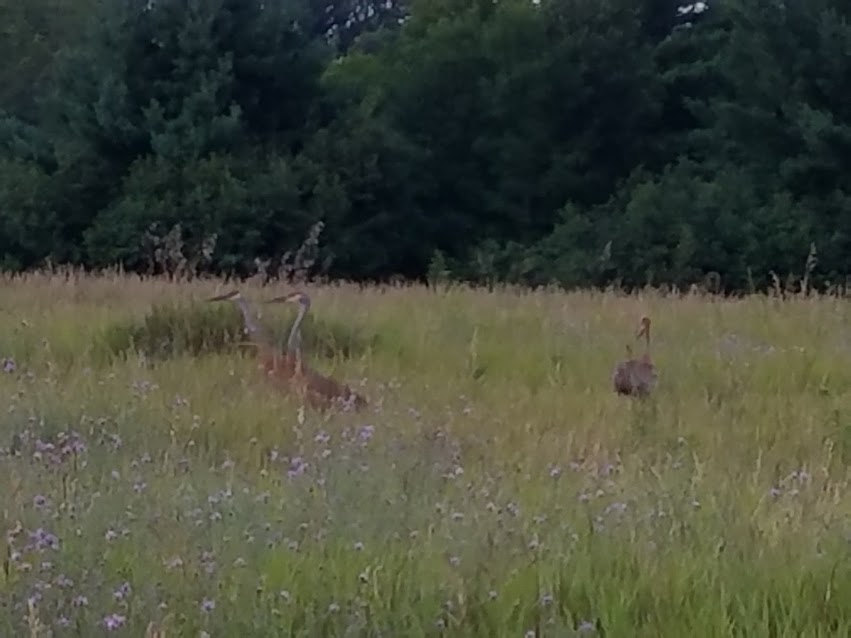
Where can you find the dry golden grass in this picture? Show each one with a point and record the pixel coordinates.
(505, 488)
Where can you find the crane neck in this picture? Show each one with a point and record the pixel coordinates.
(294, 340)
(251, 326)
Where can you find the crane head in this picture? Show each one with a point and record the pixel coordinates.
(293, 297)
(233, 295)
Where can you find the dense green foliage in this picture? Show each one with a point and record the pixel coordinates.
(170, 330)
(586, 142)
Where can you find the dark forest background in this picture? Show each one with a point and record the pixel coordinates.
(583, 142)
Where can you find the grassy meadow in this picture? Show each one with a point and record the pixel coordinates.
(153, 483)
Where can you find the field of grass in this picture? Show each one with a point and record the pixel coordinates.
(496, 486)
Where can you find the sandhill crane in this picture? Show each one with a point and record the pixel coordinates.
(271, 361)
(318, 390)
(636, 377)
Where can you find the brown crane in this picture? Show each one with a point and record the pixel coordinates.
(636, 377)
(281, 367)
(316, 389)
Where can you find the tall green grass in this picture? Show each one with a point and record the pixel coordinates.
(496, 486)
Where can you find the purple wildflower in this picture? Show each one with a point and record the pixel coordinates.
(41, 539)
(44, 446)
(71, 443)
(297, 467)
(114, 621)
(63, 581)
(123, 591)
(365, 433)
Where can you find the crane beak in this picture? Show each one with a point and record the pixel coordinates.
(228, 295)
(290, 298)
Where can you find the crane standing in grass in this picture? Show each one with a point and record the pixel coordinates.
(636, 377)
(271, 361)
(318, 390)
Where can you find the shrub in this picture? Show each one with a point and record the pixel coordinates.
(175, 329)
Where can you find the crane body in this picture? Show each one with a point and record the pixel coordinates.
(270, 361)
(317, 390)
(636, 377)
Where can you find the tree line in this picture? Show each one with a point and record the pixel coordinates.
(582, 142)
